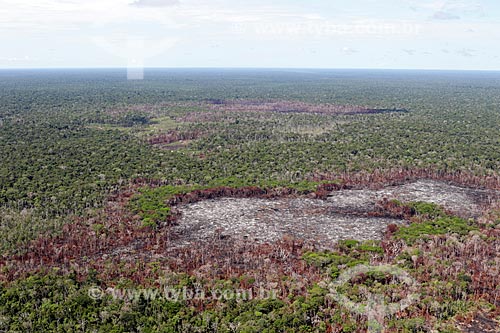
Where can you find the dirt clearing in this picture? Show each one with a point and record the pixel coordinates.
(343, 215)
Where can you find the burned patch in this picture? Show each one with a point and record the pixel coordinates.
(263, 220)
(295, 107)
(464, 201)
(345, 214)
(181, 138)
(481, 323)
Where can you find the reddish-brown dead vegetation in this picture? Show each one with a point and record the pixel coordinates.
(117, 245)
(175, 136)
(125, 249)
(283, 106)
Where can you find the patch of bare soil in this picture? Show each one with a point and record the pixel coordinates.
(263, 220)
(344, 215)
(464, 201)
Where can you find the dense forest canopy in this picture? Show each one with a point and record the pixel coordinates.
(74, 143)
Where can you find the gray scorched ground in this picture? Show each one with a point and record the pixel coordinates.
(343, 215)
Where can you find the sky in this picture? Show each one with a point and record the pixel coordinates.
(380, 34)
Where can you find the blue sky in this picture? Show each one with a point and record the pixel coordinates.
(409, 34)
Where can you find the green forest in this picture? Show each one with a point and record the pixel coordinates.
(94, 171)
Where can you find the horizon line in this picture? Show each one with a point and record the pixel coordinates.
(252, 68)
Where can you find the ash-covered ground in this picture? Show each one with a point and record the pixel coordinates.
(463, 201)
(343, 215)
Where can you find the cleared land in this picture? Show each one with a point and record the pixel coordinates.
(344, 214)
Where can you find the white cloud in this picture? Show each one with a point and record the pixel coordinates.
(449, 9)
(134, 47)
(410, 51)
(441, 15)
(155, 3)
(433, 5)
(466, 52)
(348, 50)
(182, 25)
